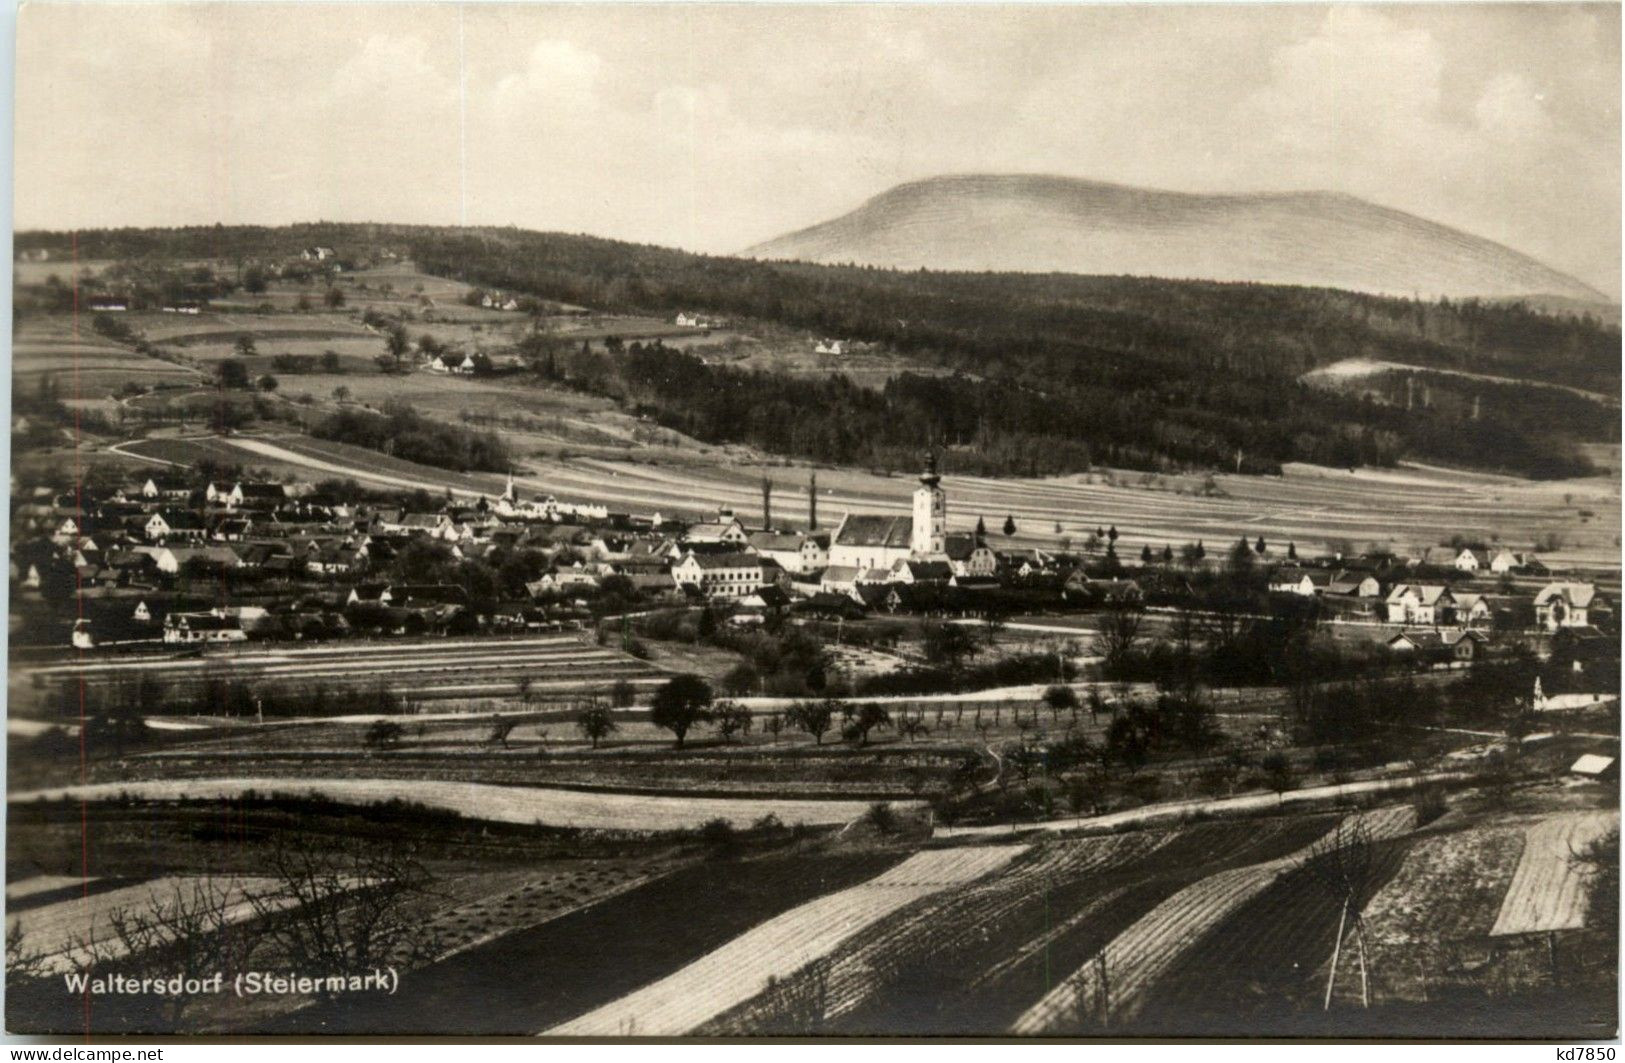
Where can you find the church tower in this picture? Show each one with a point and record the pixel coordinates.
(930, 534)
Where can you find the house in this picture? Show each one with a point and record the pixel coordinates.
(434, 525)
(907, 570)
(1505, 561)
(725, 530)
(1080, 587)
(81, 637)
(1024, 564)
(1348, 584)
(720, 575)
(969, 556)
(1414, 603)
(1464, 608)
(839, 579)
(1467, 561)
(1560, 605)
(1433, 644)
(317, 254)
(202, 627)
(827, 346)
(1571, 693)
(423, 595)
(172, 559)
(165, 487)
(797, 553)
(1305, 582)
(259, 494)
(1596, 767)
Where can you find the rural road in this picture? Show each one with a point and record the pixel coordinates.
(1178, 809)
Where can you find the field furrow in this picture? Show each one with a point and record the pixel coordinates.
(1548, 891)
(1111, 983)
(780, 946)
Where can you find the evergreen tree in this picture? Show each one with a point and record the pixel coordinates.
(1260, 546)
(1010, 524)
(1145, 554)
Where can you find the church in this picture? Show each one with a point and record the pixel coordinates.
(864, 542)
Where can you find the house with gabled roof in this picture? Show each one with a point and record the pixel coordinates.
(1564, 604)
(1415, 603)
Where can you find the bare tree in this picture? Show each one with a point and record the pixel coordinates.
(346, 910)
(1344, 866)
(1119, 631)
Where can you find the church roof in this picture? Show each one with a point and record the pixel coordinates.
(865, 530)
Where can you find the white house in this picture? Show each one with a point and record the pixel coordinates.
(796, 553)
(1467, 561)
(1414, 603)
(1292, 580)
(732, 575)
(202, 627)
(1504, 561)
(828, 346)
(1564, 604)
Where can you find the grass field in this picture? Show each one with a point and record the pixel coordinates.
(500, 804)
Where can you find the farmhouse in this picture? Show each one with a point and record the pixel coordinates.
(1467, 561)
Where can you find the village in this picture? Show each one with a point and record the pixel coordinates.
(174, 561)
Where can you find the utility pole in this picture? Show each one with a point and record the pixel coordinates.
(812, 501)
(767, 503)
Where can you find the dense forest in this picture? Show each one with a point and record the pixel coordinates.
(1033, 373)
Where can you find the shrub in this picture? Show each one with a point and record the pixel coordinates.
(881, 817)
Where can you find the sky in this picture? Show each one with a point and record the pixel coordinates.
(714, 127)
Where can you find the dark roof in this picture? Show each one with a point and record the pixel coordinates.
(864, 530)
(732, 559)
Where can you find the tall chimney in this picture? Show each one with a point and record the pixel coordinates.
(812, 502)
(767, 503)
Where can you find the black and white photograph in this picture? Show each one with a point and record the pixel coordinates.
(692, 522)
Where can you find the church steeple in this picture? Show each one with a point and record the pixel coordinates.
(930, 532)
(930, 477)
